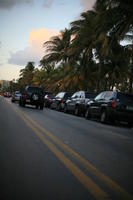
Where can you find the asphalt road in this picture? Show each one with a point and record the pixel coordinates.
(49, 155)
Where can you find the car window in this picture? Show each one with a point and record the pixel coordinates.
(60, 95)
(108, 95)
(67, 94)
(17, 92)
(35, 90)
(51, 95)
(100, 96)
(125, 98)
(81, 95)
(74, 95)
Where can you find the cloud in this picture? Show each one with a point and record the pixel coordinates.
(0, 44)
(35, 51)
(8, 4)
(87, 4)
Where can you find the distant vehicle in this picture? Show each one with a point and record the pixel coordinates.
(1, 93)
(32, 96)
(16, 96)
(48, 98)
(77, 103)
(7, 94)
(59, 101)
(111, 106)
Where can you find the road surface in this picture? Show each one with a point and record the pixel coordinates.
(49, 155)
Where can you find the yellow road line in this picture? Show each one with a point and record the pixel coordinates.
(91, 168)
(94, 190)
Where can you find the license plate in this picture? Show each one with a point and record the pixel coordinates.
(28, 100)
(129, 108)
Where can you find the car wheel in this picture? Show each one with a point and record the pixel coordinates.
(76, 112)
(87, 114)
(58, 107)
(103, 116)
(41, 107)
(36, 106)
(65, 109)
(51, 107)
(20, 103)
(130, 125)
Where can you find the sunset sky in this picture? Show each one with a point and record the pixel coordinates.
(27, 24)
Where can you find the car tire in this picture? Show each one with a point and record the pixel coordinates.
(58, 108)
(87, 113)
(130, 125)
(103, 116)
(20, 103)
(76, 111)
(41, 107)
(36, 106)
(65, 109)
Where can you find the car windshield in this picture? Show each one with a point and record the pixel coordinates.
(17, 92)
(35, 90)
(60, 95)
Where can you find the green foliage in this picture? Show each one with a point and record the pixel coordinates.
(89, 55)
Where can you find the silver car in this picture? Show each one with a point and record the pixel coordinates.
(16, 96)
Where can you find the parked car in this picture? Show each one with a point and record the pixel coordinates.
(77, 103)
(7, 94)
(1, 93)
(111, 106)
(48, 98)
(16, 96)
(59, 101)
(32, 96)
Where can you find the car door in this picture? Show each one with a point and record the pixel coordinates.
(81, 100)
(71, 102)
(54, 102)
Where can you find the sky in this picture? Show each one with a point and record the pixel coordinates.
(27, 24)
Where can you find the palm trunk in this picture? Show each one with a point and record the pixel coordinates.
(131, 75)
(131, 80)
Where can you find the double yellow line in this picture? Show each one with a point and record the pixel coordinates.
(51, 141)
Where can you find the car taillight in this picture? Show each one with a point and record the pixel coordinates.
(113, 104)
(62, 101)
(25, 95)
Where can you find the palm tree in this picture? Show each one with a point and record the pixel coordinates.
(26, 75)
(57, 47)
(117, 19)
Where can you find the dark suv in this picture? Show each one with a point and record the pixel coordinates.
(32, 96)
(111, 106)
(77, 103)
(59, 101)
